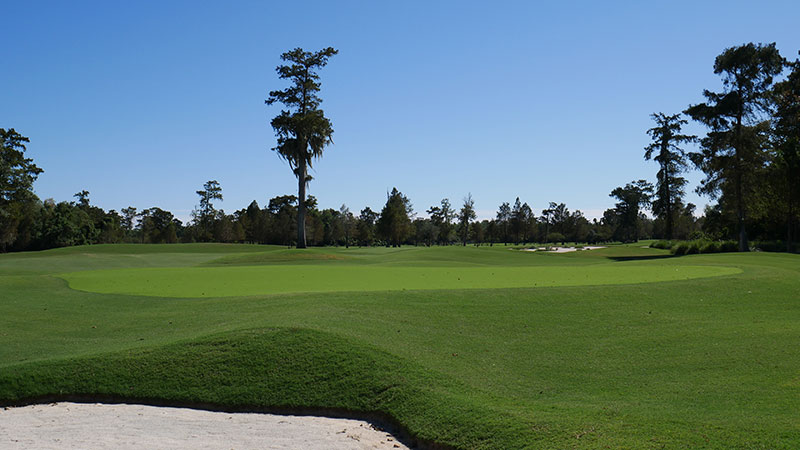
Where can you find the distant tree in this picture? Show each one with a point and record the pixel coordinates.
(425, 232)
(442, 219)
(465, 217)
(733, 152)
(516, 221)
(478, 232)
(63, 224)
(128, 217)
(253, 222)
(110, 227)
(524, 217)
(315, 227)
(671, 158)
(547, 219)
(17, 174)
(787, 146)
(303, 131)
(631, 198)
(205, 215)
(492, 232)
(83, 198)
(224, 229)
(560, 219)
(394, 224)
(284, 210)
(348, 223)
(365, 227)
(502, 220)
(580, 227)
(333, 233)
(159, 226)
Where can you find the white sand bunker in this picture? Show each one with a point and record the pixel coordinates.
(81, 426)
(561, 249)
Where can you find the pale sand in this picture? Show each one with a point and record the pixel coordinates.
(560, 249)
(120, 426)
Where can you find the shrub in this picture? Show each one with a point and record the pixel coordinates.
(662, 244)
(711, 247)
(680, 248)
(774, 246)
(703, 246)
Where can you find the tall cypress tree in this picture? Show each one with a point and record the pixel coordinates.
(672, 162)
(303, 131)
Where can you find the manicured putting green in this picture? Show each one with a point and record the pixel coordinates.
(192, 282)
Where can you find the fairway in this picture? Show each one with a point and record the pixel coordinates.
(470, 347)
(278, 279)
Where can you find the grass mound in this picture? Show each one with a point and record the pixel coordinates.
(274, 369)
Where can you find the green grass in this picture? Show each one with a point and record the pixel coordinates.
(707, 362)
(190, 282)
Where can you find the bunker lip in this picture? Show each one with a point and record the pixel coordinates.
(255, 281)
(378, 420)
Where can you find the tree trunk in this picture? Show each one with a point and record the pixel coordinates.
(301, 204)
(790, 217)
(743, 245)
(665, 178)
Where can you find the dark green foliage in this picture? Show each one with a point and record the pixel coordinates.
(17, 173)
(672, 162)
(17, 200)
(631, 198)
(521, 222)
(284, 211)
(777, 246)
(64, 224)
(502, 220)
(206, 216)
(697, 246)
(302, 130)
(662, 244)
(441, 218)
(365, 227)
(733, 152)
(786, 165)
(158, 226)
(394, 224)
(465, 218)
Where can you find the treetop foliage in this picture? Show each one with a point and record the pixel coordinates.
(302, 130)
(17, 173)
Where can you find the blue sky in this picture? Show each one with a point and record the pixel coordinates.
(140, 103)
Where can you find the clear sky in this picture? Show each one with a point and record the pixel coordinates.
(142, 102)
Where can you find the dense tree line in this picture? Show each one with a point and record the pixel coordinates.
(750, 156)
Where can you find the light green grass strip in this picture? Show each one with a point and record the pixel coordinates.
(191, 282)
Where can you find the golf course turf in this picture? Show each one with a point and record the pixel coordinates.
(273, 279)
(622, 347)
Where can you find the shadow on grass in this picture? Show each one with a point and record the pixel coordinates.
(638, 258)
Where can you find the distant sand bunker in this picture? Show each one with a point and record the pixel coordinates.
(80, 426)
(561, 249)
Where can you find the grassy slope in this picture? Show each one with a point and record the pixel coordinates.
(701, 363)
